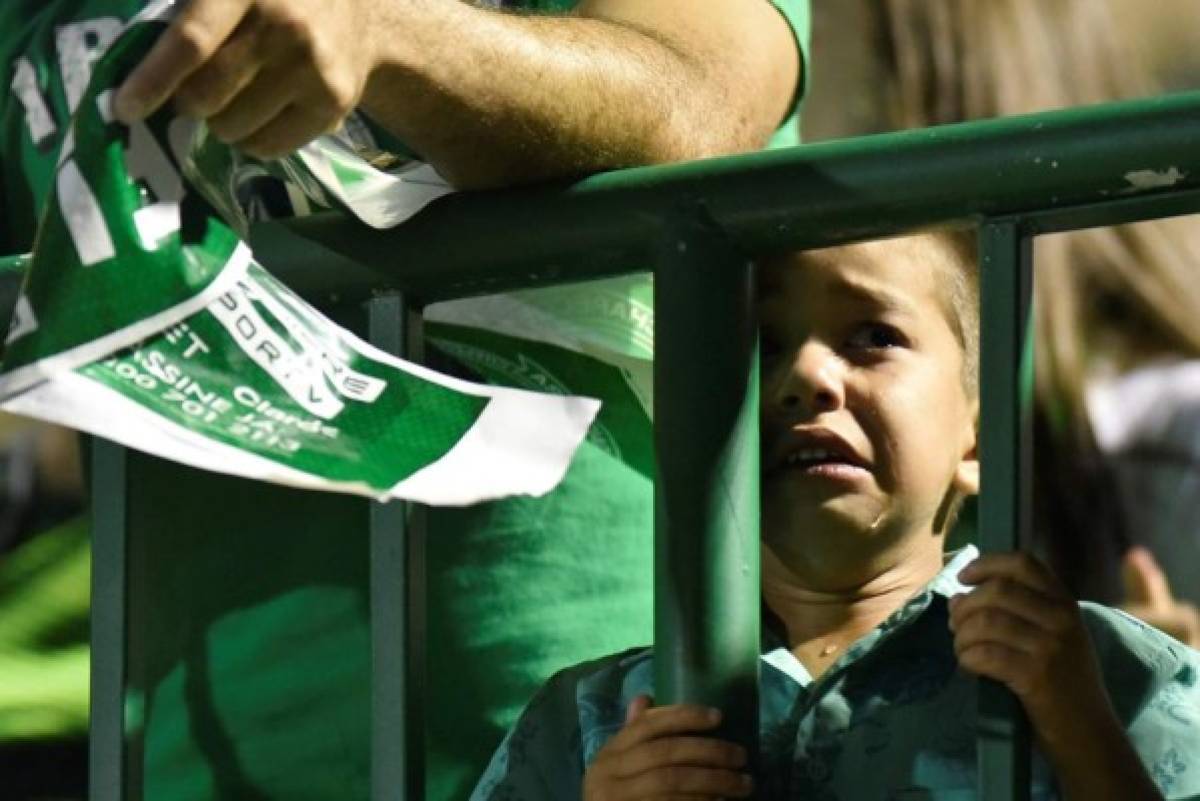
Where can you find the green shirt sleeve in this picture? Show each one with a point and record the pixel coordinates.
(797, 14)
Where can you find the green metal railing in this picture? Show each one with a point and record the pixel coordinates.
(695, 225)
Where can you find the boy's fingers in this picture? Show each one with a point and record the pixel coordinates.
(636, 707)
(1014, 598)
(1145, 583)
(1016, 566)
(998, 627)
(698, 752)
(994, 661)
(666, 720)
(684, 781)
(192, 38)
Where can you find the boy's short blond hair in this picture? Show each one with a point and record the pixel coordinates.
(958, 253)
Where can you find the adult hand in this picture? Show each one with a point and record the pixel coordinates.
(1148, 597)
(656, 755)
(268, 76)
(1021, 627)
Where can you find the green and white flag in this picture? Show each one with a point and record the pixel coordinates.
(145, 319)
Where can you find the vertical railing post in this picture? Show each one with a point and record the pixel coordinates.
(706, 622)
(1006, 263)
(397, 575)
(107, 769)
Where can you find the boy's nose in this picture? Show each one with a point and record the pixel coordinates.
(813, 382)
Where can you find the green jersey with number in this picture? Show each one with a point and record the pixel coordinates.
(47, 50)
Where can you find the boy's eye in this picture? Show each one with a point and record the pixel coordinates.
(876, 336)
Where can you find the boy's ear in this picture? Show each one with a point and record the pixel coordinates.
(966, 475)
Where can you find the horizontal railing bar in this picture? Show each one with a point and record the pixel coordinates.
(1059, 170)
(810, 196)
(1115, 212)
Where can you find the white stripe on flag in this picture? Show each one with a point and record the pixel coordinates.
(84, 219)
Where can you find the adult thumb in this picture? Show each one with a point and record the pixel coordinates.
(1145, 584)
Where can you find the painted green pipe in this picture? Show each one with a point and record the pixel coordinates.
(706, 592)
(1005, 501)
(808, 196)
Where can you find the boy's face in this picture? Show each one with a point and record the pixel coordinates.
(868, 430)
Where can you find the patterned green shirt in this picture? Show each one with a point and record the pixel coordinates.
(892, 719)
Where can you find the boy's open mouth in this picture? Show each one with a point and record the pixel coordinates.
(816, 452)
(824, 468)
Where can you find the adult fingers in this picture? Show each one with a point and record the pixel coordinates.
(318, 103)
(700, 752)
(216, 83)
(264, 99)
(664, 721)
(1144, 582)
(291, 129)
(1189, 625)
(188, 43)
(1181, 621)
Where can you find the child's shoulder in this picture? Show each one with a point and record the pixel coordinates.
(609, 681)
(603, 669)
(1153, 682)
(1117, 631)
(606, 681)
(1138, 661)
(575, 712)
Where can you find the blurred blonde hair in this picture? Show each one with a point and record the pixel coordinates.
(962, 60)
(958, 60)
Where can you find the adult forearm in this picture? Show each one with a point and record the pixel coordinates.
(492, 98)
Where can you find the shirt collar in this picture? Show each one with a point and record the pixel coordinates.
(945, 583)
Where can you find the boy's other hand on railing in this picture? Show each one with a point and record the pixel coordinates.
(1020, 626)
(1148, 597)
(657, 756)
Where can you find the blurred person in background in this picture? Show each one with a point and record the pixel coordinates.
(1117, 397)
(41, 482)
